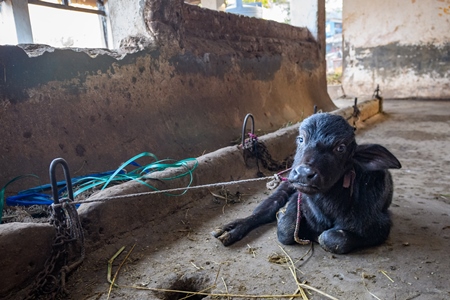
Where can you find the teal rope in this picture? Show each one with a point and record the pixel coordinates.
(85, 183)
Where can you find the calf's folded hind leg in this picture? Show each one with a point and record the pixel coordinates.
(339, 241)
(342, 241)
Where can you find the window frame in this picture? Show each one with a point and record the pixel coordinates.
(22, 23)
(66, 5)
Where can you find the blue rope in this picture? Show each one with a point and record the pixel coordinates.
(34, 196)
(37, 195)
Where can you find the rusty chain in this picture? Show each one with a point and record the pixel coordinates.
(68, 250)
(253, 148)
(67, 253)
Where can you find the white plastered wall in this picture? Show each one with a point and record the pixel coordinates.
(127, 19)
(401, 45)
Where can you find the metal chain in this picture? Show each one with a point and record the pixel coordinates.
(67, 253)
(268, 162)
(256, 149)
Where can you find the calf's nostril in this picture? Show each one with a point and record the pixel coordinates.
(305, 173)
(311, 175)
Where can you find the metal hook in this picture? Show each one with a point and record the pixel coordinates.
(377, 92)
(356, 111)
(54, 184)
(244, 126)
(316, 110)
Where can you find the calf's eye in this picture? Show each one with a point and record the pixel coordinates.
(341, 148)
(299, 139)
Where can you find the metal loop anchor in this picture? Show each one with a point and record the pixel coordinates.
(249, 144)
(356, 111)
(377, 93)
(316, 110)
(54, 183)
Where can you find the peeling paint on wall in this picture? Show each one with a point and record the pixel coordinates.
(393, 58)
(56, 65)
(404, 46)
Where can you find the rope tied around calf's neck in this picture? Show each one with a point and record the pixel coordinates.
(349, 179)
(297, 223)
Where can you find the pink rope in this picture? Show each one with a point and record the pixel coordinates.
(282, 172)
(297, 223)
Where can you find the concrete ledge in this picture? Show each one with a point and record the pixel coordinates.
(104, 222)
(24, 248)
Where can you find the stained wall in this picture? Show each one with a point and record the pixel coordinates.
(178, 89)
(404, 46)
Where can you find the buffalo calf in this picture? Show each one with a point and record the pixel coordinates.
(337, 193)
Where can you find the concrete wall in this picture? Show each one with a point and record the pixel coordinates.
(402, 45)
(182, 89)
(128, 20)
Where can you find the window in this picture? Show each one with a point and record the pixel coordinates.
(58, 23)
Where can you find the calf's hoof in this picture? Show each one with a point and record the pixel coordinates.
(230, 233)
(336, 241)
(222, 236)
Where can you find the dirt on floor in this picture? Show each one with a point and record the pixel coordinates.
(179, 253)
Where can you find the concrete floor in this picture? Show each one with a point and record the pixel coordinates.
(177, 252)
(180, 253)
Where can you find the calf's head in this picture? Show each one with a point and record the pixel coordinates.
(327, 150)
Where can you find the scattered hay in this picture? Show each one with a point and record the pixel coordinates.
(225, 194)
(187, 286)
(364, 276)
(251, 250)
(387, 276)
(276, 258)
(26, 214)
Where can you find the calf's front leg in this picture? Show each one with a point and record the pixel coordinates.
(264, 213)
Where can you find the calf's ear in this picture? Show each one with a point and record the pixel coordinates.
(375, 157)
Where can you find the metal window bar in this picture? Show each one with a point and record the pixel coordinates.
(66, 5)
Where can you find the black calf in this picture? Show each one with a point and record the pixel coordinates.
(343, 191)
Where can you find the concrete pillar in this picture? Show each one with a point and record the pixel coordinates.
(212, 4)
(8, 34)
(310, 14)
(18, 18)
